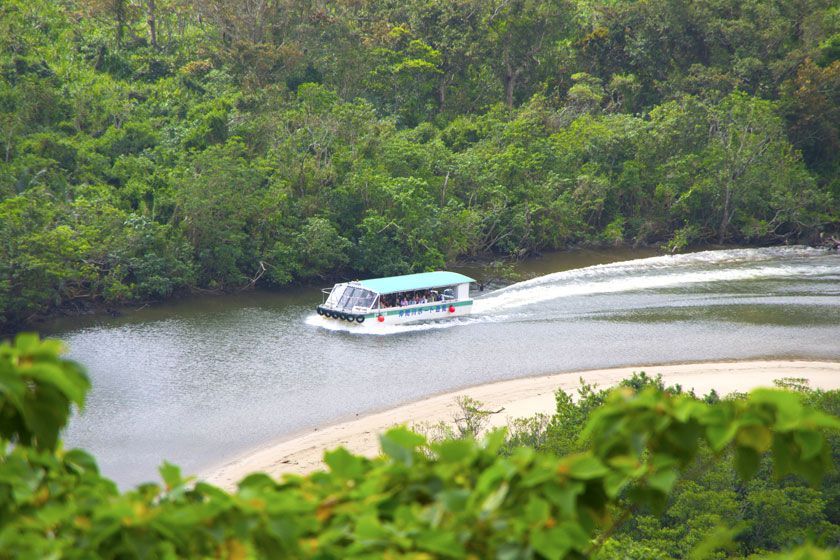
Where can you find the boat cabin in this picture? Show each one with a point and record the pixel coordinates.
(399, 299)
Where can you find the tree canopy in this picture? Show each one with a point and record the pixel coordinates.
(153, 146)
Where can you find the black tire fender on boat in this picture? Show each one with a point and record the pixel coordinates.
(349, 317)
(360, 319)
(319, 310)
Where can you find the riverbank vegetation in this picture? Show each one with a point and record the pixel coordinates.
(643, 471)
(767, 514)
(154, 146)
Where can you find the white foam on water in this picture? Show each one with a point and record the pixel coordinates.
(660, 272)
(704, 259)
(545, 292)
(377, 328)
(669, 271)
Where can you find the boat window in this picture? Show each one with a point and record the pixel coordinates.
(366, 298)
(336, 293)
(421, 297)
(346, 297)
(356, 297)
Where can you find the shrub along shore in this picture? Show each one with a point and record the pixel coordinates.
(517, 404)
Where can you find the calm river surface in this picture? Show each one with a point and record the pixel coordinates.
(202, 380)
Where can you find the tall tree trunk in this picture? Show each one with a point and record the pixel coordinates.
(724, 222)
(119, 15)
(510, 83)
(511, 74)
(151, 19)
(509, 79)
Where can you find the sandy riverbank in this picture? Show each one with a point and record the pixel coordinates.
(518, 397)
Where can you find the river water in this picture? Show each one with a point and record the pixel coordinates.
(199, 381)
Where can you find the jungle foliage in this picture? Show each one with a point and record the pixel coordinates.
(656, 473)
(153, 146)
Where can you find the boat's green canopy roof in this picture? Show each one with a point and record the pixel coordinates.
(409, 282)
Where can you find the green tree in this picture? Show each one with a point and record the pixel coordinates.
(216, 203)
(322, 251)
(520, 35)
(405, 76)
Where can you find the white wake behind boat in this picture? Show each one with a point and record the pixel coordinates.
(396, 300)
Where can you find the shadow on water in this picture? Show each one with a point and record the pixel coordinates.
(194, 307)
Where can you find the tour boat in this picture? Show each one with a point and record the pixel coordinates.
(399, 299)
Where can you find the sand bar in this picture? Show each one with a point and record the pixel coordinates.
(518, 397)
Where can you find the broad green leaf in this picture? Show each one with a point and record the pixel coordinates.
(817, 419)
(27, 343)
(400, 443)
(81, 461)
(757, 437)
(405, 437)
(536, 511)
(368, 528)
(53, 513)
(541, 473)
(586, 467)
(45, 414)
(171, 475)
(495, 499)
(687, 408)
(787, 404)
(565, 496)
(454, 450)
(396, 451)
(51, 347)
(810, 442)
(21, 477)
(747, 461)
(614, 483)
(663, 480)
(344, 464)
(444, 543)
(551, 543)
(256, 482)
(12, 388)
(494, 440)
(454, 500)
(720, 435)
(492, 476)
(186, 516)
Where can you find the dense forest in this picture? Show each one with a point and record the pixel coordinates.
(155, 146)
(643, 472)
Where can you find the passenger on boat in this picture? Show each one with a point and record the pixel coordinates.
(404, 299)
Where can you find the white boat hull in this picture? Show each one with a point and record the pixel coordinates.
(411, 314)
